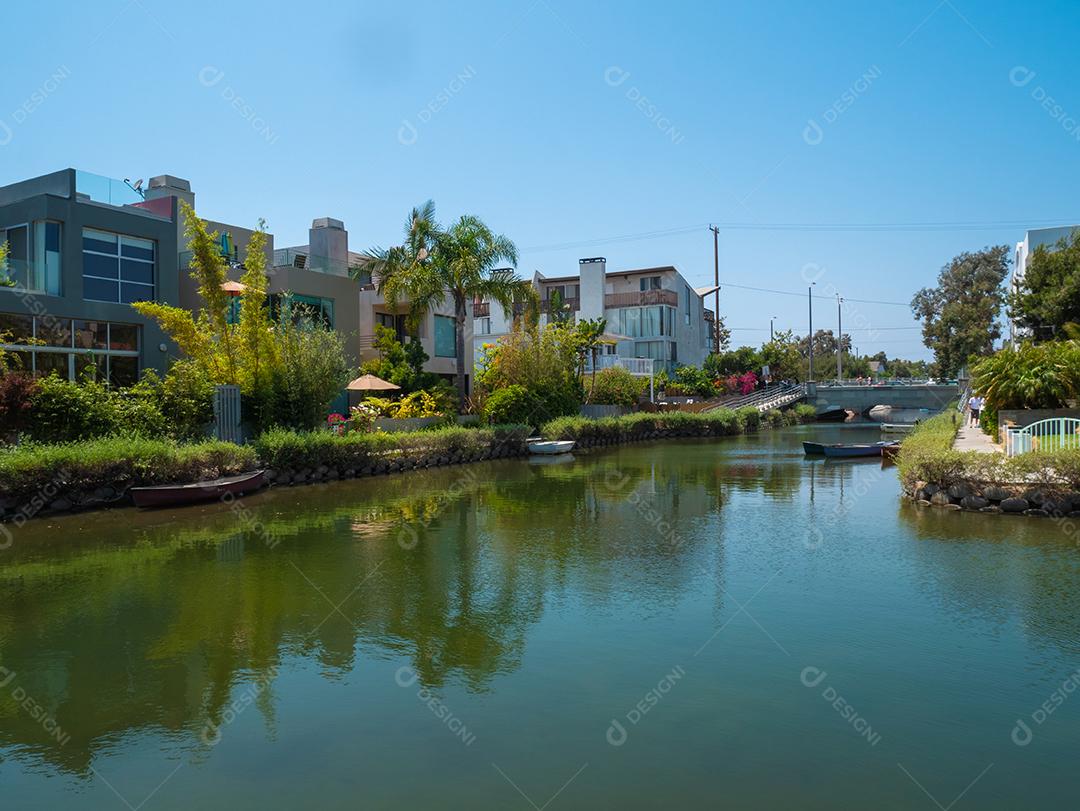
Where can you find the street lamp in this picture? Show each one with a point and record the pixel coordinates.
(839, 340)
(810, 338)
(771, 327)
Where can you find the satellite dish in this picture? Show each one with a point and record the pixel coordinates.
(138, 185)
(135, 187)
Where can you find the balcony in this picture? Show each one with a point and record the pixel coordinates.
(481, 309)
(568, 304)
(710, 316)
(635, 366)
(302, 260)
(643, 298)
(106, 190)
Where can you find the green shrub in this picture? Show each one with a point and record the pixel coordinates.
(30, 468)
(616, 386)
(804, 412)
(187, 400)
(720, 422)
(282, 448)
(513, 404)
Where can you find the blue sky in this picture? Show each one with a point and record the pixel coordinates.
(567, 123)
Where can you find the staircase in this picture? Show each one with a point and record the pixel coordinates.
(765, 399)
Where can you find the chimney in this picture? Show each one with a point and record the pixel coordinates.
(170, 186)
(328, 246)
(593, 273)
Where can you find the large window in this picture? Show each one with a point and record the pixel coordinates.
(483, 326)
(647, 322)
(33, 256)
(73, 348)
(657, 350)
(650, 282)
(304, 308)
(117, 268)
(445, 337)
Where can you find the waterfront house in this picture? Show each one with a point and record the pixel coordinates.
(659, 315)
(82, 248)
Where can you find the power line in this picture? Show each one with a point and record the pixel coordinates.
(803, 295)
(846, 331)
(898, 227)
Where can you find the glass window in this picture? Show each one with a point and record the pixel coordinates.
(54, 331)
(630, 322)
(483, 326)
(47, 257)
(100, 290)
(24, 361)
(132, 271)
(135, 292)
(137, 248)
(92, 365)
(445, 337)
(123, 337)
(650, 322)
(123, 371)
(16, 328)
(650, 282)
(686, 305)
(47, 363)
(91, 335)
(99, 241)
(103, 267)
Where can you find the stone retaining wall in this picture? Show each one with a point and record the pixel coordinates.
(992, 498)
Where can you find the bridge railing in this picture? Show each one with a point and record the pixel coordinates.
(1057, 433)
(767, 398)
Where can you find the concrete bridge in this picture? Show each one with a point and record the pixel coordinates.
(861, 399)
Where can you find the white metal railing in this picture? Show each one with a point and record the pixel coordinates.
(767, 398)
(1053, 434)
(635, 366)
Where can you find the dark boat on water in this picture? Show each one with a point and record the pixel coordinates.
(813, 448)
(852, 451)
(174, 495)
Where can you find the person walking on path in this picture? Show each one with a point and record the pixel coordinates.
(975, 405)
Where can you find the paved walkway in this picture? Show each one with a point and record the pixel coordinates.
(972, 438)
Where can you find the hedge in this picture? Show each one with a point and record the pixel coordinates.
(99, 470)
(634, 427)
(281, 449)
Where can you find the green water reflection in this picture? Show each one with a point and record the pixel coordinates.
(298, 648)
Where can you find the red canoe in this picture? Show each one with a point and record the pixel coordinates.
(171, 495)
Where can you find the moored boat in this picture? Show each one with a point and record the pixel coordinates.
(813, 448)
(551, 447)
(852, 451)
(175, 495)
(897, 427)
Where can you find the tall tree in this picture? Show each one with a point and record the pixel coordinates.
(1048, 301)
(459, 263)
(960, 315)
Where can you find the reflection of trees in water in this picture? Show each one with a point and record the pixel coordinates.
(146, 624)
(994, 566)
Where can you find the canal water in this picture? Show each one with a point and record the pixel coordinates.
(674, 625)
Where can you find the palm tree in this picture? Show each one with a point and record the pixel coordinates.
(459, 263)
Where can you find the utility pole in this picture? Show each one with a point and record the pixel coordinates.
(716, 281)
(810, 339)
(839, 340)
(771, 326)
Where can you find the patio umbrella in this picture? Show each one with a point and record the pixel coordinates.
(371, 383)
(233, 288)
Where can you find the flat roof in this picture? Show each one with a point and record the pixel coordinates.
(661, 269)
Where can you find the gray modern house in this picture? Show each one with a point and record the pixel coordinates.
(82, 248)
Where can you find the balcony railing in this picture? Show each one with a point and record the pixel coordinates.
(481, 309)
(635, 366)
(568, 305)
(302, 260)
(710, 316)
(643, 298)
